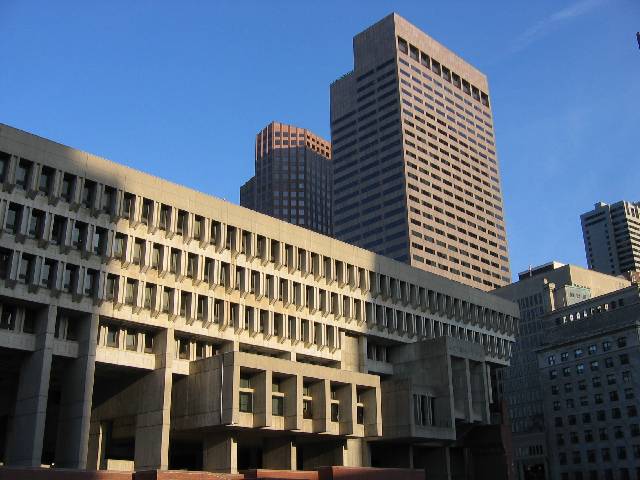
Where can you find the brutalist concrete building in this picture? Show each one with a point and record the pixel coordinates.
(147, 325)
(589, 365)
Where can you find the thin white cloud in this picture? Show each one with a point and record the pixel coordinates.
(544, 26)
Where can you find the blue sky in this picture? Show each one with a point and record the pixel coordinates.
(160, 84)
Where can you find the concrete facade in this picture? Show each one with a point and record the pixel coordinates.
(538, 292)
(293, 177)
(612, 237)
(144, 325)
(588, 362)
(415, 169)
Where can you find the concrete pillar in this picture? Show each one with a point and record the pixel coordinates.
(279, 453)
(321, 395)
(26, 431)
(261, 383)
(355, 453)
(438, 464)
(220, 454)
(154, 411)
(97, 445)
(75, 402)
(346, 395)
(292, 388)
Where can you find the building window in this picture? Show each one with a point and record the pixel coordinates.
(277, 405)
(131, 341)
(246, 402)
(335, 412)
(112, 336)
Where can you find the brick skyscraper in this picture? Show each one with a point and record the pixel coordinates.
(292, 179)
(415, 170)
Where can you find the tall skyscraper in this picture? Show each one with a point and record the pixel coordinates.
(293, 177)
(538, 292)
(415, 170)
(612, 237)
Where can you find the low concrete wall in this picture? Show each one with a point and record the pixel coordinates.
(183, 475)
(323, 473)
(281, 474)
(365, 473)
(9, 473)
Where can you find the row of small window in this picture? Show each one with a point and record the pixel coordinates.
(591, 455)
(456, 186)
(590, 311)
(35, 226)
(24, 319)
(603, 434)
(606, 474)
(132, 339)
(254, 320)
(234, 238)
(601, 416)
(71, 274)
(448, 139)
(165, 213)
(449, 212)
(595, 381)
(466, 166)
(594, 366)
(136, 340)
(80, 234)
(207, 309)
(246, 400)
(27, 178)
(424, 412)
(415, 77)
(440, 70)
(598, 399)
(48, 271)
(592, 349)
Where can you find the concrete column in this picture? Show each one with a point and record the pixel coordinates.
(346, 395)
(75, 402)
(26, 431)
(279, 453)
(292, 388)
(154, 411)
(321, 395)
(438, 464)
(220, 454)
(355, 453)
(261, 383)
(97, 445)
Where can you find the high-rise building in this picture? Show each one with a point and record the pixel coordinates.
(538, 292)
(144, 325)
(293, 177)
(588, 365)
(415, 169)
(612, 237)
